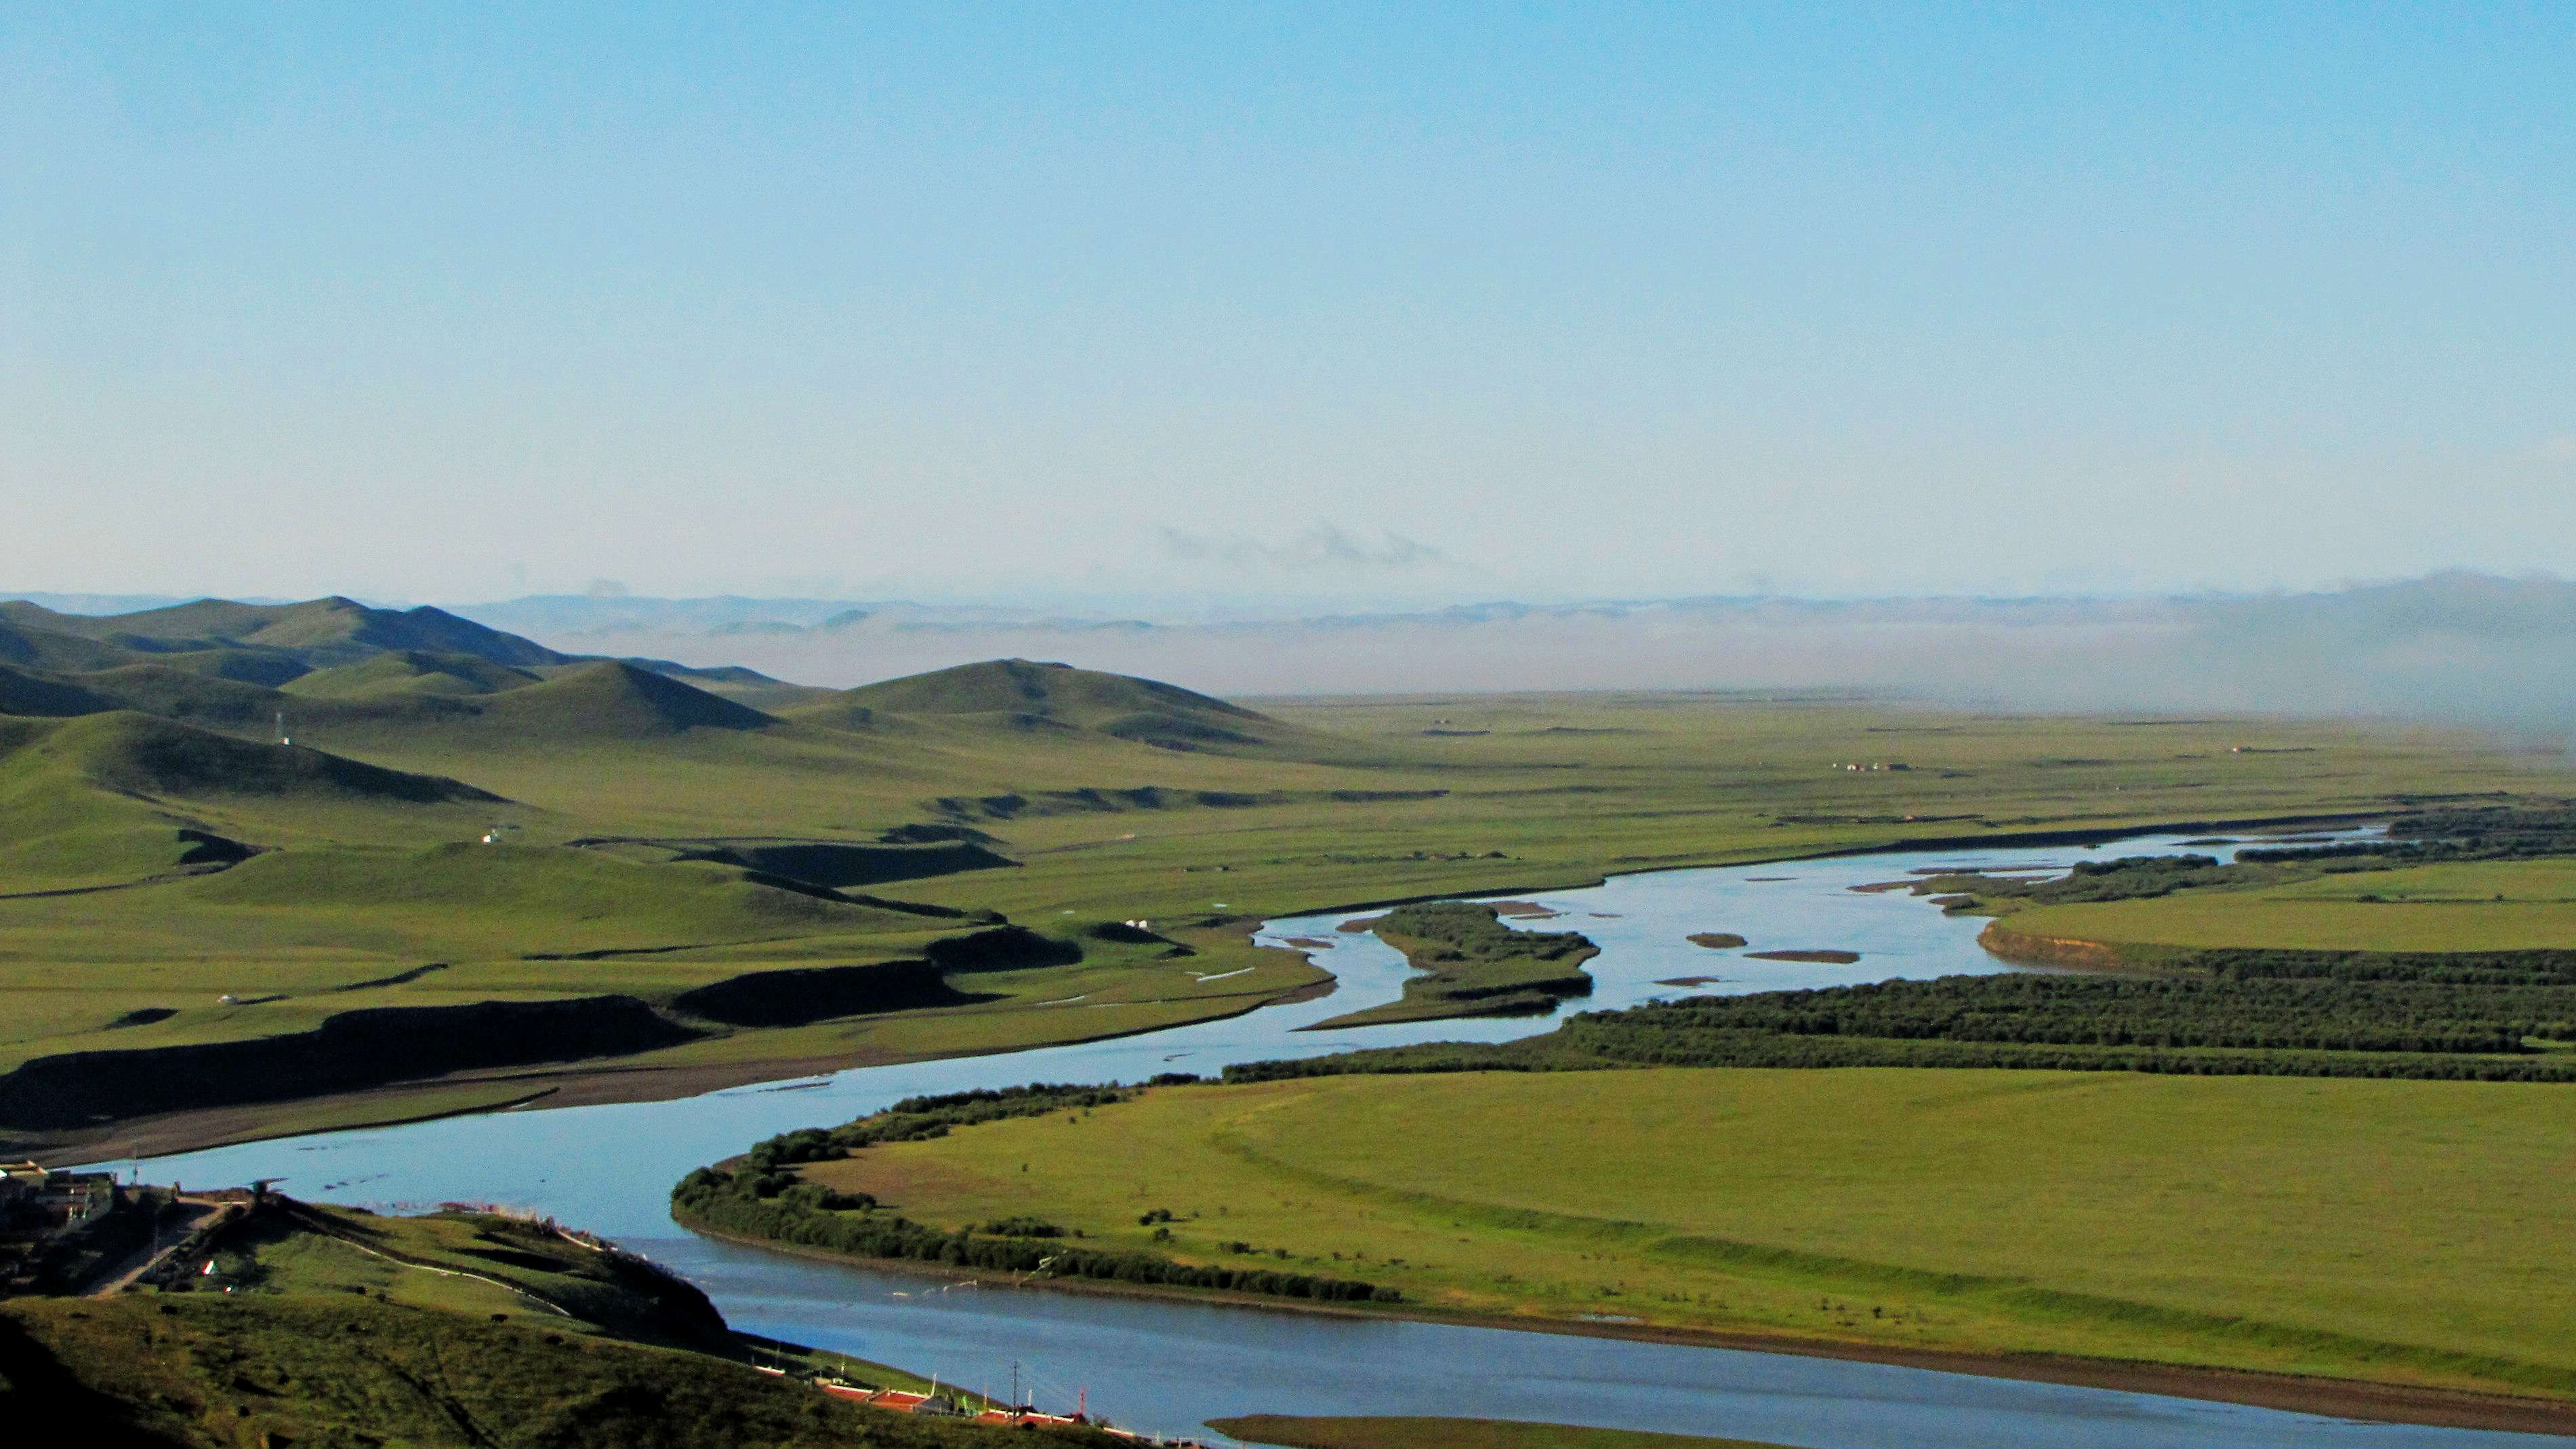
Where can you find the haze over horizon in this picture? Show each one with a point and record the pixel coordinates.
(1310, 311)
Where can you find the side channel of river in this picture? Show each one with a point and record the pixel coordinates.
(1170, 1366)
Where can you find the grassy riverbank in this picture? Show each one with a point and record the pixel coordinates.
(2333, 1229)
(2505, 905)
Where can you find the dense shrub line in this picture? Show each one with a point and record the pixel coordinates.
(2434, 1016)
(2263, 1013)
(759, 1196)
(1773, 1049)
(1722, 1048)
(2087, 881)
(1456, 932)
(2464, 968)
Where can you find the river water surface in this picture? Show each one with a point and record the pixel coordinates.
(1169, 1366)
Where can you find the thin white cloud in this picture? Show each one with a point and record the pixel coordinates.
(1321, 547)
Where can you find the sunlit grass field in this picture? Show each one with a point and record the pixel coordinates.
(357, 896)
(2508, 905)
(2402, 1231)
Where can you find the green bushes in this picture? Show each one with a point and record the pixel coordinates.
(1474, 965)
(2450, 1016)
(2262, 1013)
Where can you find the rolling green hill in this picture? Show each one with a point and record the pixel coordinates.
(143, 757)
(106, 799)
(31, 693)
(37, 647)
(1030, 698)
(411, 671)
(613, 698)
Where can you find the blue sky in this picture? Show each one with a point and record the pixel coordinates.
(1175, 306)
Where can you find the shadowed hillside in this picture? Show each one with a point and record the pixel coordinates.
(613, 699)
(336, 663)
(41, 648)
(319, 632)
(134, 754)
(109, 798)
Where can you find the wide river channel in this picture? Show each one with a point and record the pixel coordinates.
(1167, 1366)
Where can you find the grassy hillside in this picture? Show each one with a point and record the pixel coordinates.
(108, 799)
(2177, 1220)
(451, 1330)
(410, 671)
(1020, 696)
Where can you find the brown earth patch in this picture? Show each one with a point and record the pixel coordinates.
(1716, 940)
(1829, 958)
(2037, 950)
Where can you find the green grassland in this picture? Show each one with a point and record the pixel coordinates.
(2402, 1232)
(641, 813)
(2498, 905)
(325, 1327)
(1302, 1432)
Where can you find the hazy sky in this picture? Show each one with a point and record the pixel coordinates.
(1410, 303)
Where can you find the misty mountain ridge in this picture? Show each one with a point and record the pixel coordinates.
(2449, 646)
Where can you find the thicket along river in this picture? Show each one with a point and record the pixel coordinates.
(1169, 1366)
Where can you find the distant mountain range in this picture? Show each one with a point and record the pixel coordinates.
(2457, 646)
(2448, 646)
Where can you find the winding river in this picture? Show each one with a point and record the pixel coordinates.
(1169, 1366)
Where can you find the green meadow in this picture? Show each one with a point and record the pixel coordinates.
(2491, 905)
(172, 876)
(2402, 1232)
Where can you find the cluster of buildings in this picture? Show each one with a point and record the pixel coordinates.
(37, 1204)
